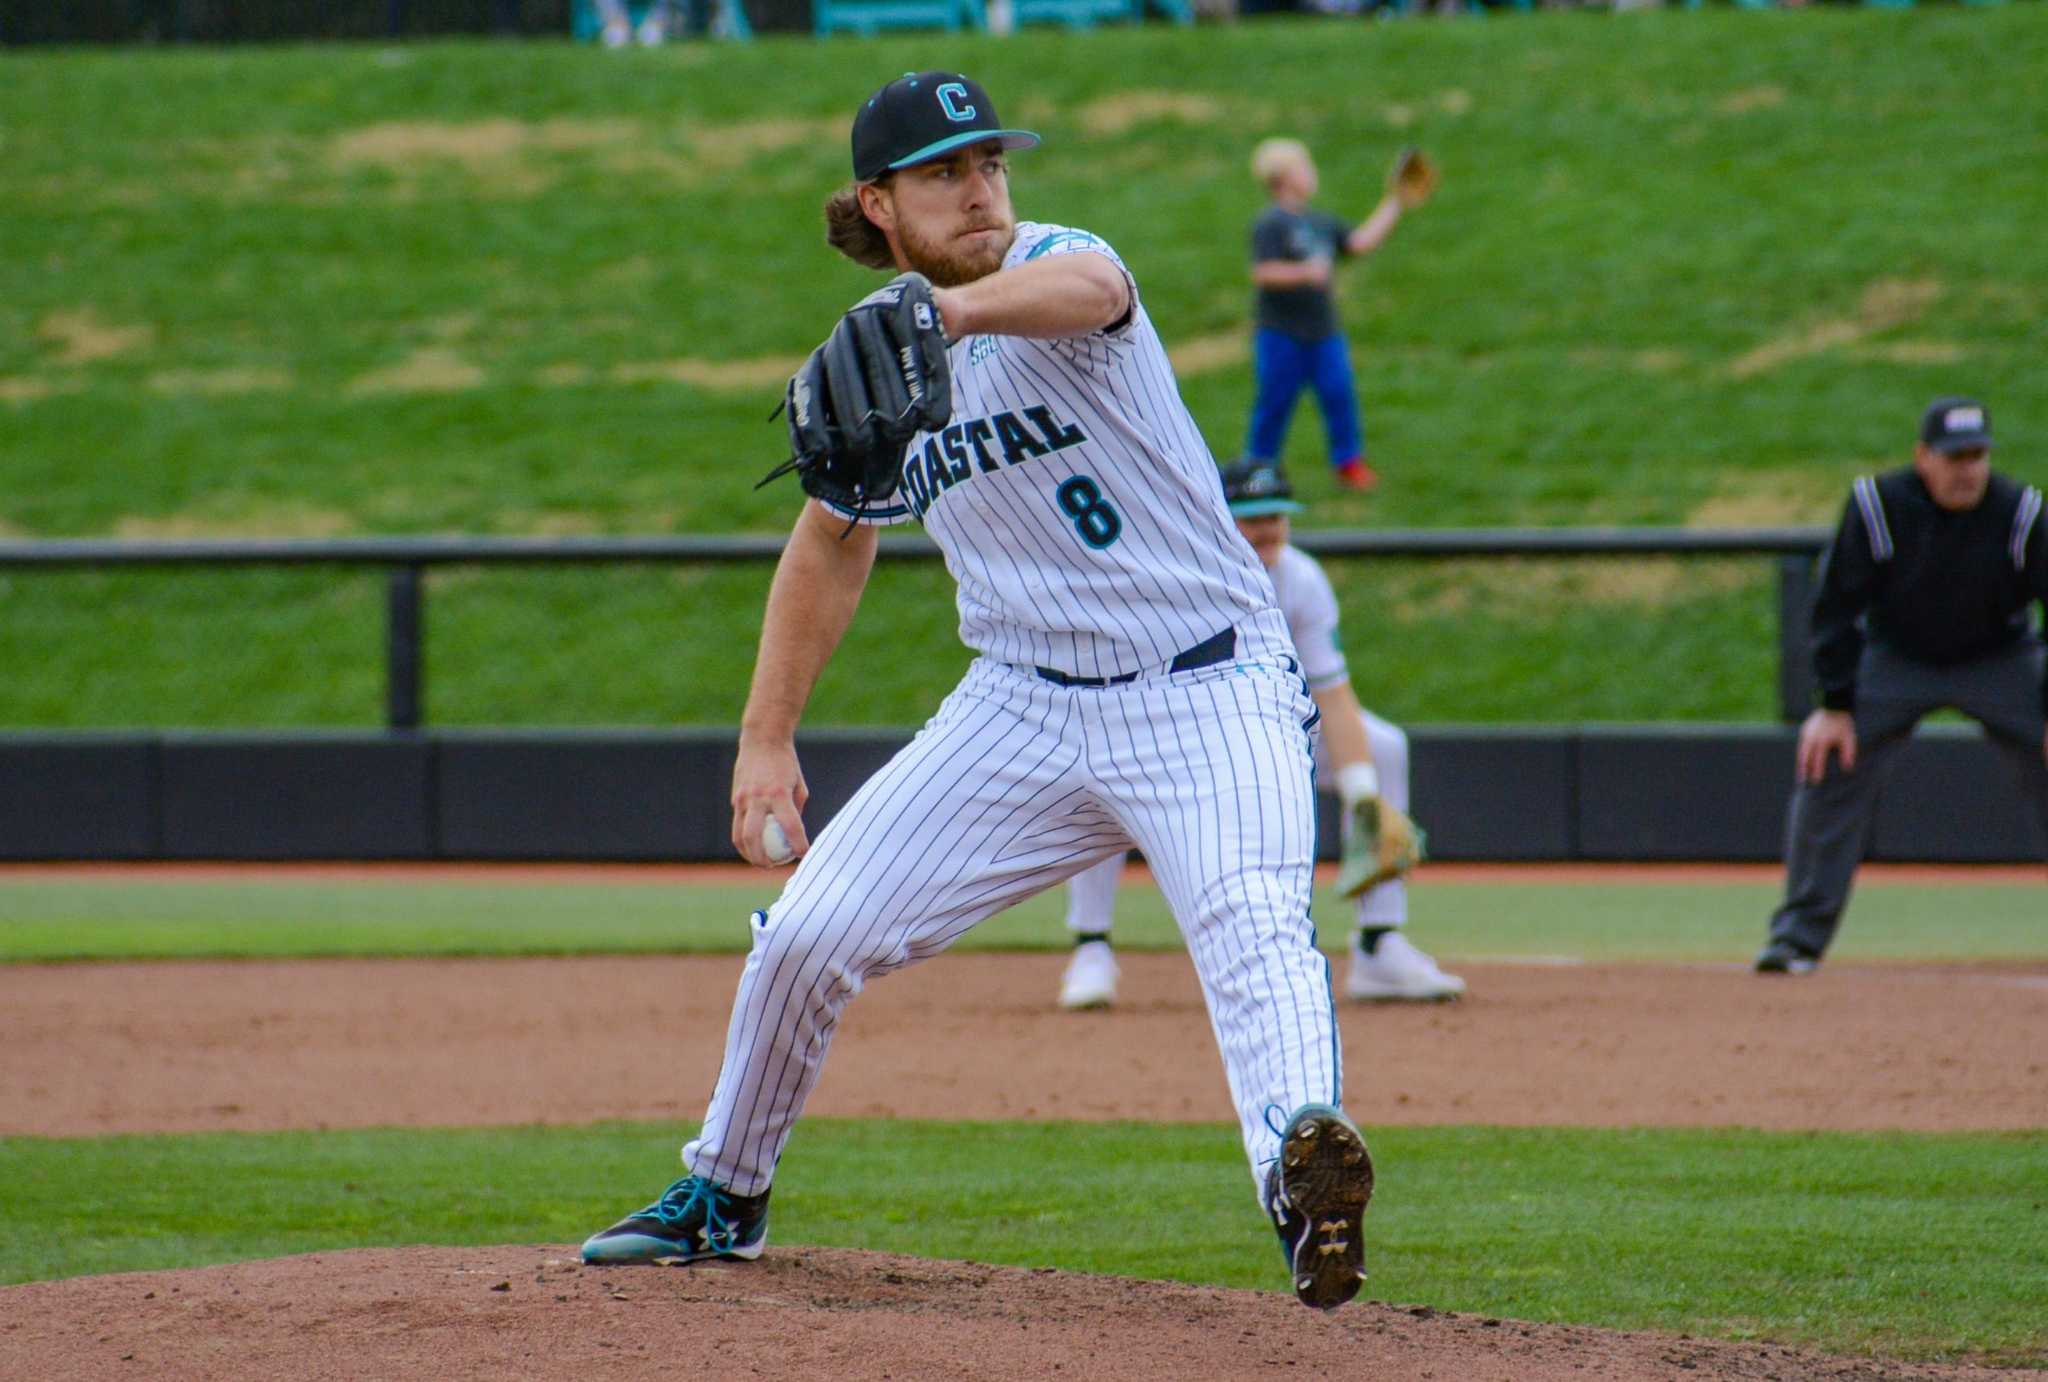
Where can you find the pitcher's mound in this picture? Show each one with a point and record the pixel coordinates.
(798, 1313)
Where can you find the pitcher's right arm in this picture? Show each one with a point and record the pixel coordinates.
(817, 587)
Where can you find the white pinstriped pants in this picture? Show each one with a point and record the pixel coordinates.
(1091, 893)
(1015, 785)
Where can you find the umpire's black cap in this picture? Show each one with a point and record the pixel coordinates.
(921, 116)
(1254, 489)
(1956, 424)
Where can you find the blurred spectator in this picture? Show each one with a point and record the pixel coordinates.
(1922, 606)
(659, 20)
(1296, 340)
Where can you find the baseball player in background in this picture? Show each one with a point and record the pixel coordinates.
(1365, 756)
(1296, 339)
(1134, 684)
(1922, 604)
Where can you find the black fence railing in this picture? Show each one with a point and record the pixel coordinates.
(406, 560)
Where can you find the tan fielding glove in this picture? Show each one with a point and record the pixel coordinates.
(1412, 179)
(1380, 842)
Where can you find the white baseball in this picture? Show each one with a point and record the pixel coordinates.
(775, 842)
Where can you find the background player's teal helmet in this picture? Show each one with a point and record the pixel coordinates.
(1254, 488)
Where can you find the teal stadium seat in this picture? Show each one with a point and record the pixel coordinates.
(870, 17)
(1871, 4)
(1083, 14)
(873, 16)
(728, 18)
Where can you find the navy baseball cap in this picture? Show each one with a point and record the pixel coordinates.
(1254, 489)
(922, 116)
(1955, 424)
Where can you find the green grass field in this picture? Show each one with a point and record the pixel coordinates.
(1685, 268)
(64, 920)
(1899, 1245)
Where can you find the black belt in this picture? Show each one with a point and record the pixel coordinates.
(1207, 653)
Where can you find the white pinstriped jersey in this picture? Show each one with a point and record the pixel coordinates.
(1311, 609)
(1075, 501)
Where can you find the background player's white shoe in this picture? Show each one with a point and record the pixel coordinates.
(1090, 980)
(1397, 970)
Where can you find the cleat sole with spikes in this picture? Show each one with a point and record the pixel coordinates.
(1327, 1178)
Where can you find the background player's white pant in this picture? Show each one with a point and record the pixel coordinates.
(1014, 785)
(1091, 894)
(1386, 905)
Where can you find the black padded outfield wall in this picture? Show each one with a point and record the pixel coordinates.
(79, 796)
(1630, 792)
(1669, 792)
(588, 796)
(339, 797)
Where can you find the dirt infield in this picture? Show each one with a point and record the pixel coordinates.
(89, 1049)
(431, 1314)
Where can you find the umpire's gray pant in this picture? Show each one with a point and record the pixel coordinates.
(1828, 826)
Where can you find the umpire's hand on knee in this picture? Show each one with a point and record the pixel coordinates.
(766, 781)
(1826, 732)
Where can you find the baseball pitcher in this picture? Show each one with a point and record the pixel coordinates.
(1134, 684)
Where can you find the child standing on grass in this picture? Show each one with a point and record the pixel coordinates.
(1296, 339)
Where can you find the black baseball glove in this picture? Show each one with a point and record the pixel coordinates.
(880, 379)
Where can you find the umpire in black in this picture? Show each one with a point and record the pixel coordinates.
(1922, 604)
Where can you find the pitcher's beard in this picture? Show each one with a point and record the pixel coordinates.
(948, 268)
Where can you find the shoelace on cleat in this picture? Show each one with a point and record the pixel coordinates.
(686, 1197)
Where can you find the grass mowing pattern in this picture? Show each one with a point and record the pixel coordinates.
(1904, 1245)
(1682, 269)
(1597, 921)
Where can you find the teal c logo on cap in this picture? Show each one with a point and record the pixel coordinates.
(953, 100)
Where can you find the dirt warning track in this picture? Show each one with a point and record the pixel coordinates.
(88, 1049)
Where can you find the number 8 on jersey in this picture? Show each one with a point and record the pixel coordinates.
(1081, 500)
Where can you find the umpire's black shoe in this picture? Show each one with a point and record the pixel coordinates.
(1783, 957)
(1316, 1193)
